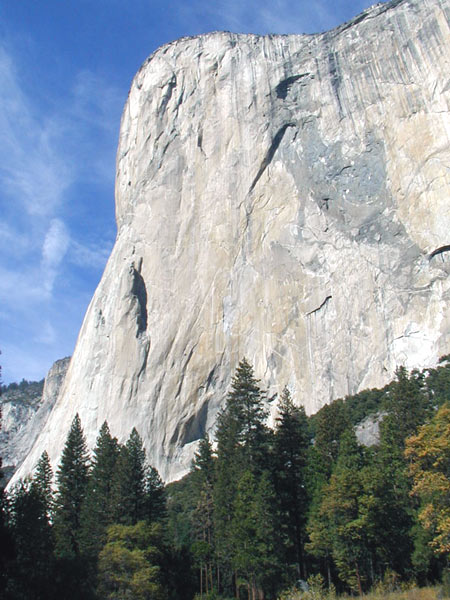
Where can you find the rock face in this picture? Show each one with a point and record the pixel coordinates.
(24, 413)
(283, 198)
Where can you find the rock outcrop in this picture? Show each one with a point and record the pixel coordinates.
(283, 198)
(24, 414)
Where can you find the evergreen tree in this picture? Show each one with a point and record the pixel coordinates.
(253, 534)
(96, 510)
(330, 423)
(155, 496)
(42, 481)
(202, 482)
(437, 382)
(71, 478)
(242, 443)
(30, 575)
(128, 491)
(340, 528)
(388, 511)
(407, 407)
(203, 466)
(393, 515)
(245, 404)
(292, 441)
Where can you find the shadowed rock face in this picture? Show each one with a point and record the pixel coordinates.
(280, 198)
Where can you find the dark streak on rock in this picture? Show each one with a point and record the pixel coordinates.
(168, 94)
(335, 77)
(284, 86)
(139, 291)
(193, 429)
(270, 153)
(439, 250)
(319, 307)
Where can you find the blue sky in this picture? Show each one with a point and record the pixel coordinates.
(65, 70)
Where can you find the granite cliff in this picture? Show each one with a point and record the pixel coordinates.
(283, 198)
(25, 410)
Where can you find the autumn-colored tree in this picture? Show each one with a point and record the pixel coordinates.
(429, 454)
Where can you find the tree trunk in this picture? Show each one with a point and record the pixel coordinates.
(358, 578)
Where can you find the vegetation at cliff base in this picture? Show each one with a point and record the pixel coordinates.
(299, 512)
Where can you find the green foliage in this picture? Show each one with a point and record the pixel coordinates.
(42, 481)
(407, 407)
(291, 446)
(437, 382)
(181, 503)
(330, 423)
(365, 403)
(155, 496)
(339, 528)
(242, 445)
(72, 479)
(202, 517)
(96, 511)
(25, 392)
(30, 575)
(238, 523)
(241, 428)
(128, 492)
(252, 531)
(129, 563)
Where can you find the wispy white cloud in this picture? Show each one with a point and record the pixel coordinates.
(46, 334)
(95, 100)
(92, 256)
(270, 16)
(48, 152)
(54, 248)
(33, 175)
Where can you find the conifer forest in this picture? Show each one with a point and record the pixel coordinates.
(262, 511)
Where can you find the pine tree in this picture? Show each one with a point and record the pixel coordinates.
(128, 491)
(42, 481)
(331, 422)
(392, 514)
(407, 406)
(30, 574)
(339, 528)
(96, 510)
(253, 534)
(242, 444)
(292, 442)
(202, 484)
(155, 496)
(71, 478)
(203, 466)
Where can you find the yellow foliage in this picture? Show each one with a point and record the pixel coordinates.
(429, 456)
